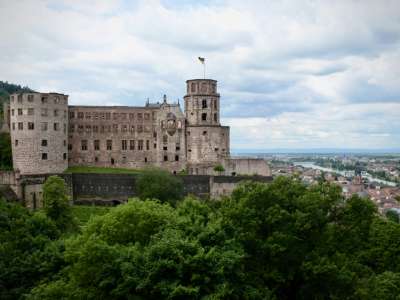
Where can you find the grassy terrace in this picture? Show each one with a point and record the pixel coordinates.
(101, 170)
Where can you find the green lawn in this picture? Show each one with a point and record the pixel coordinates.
(84, 212)
(101, 170)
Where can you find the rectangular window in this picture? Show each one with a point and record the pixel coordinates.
(56, 126)
(31, 126)
(96, 145)
(19, 98)
(124, 144)
(204, 103)
(124, 128)
(12, 112)
(20, 126)
(44, 143)
(132, 145)
(115, 116)
(69, 147)
(139, 128)
(80, 128)
(71, 114)
(95, 128)
(56, 112)
(109, 144)
(87, 116)
(108, 116)
(140, 116)
(65, 128)
(204, 117)
(132, 129)
(44, 112)
(71, 127)
(31, 111)
(64, 156)
(44, 126)
(165, 157)
(19, 111)
(30, 98)
(84, 145)
(65, 114)
(13, 126)
(44, 100)
(16, 142)
(177, 148)
(88, 128)
(176, 157)
(80, 115)
(44, 156)
(140, 145)
(147, 145)
(123, 116)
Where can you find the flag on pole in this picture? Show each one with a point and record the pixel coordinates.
(202, 60)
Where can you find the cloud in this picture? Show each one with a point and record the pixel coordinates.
(290, 73)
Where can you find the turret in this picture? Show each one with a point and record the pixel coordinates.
(202, 102)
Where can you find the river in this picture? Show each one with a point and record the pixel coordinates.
(312, 165)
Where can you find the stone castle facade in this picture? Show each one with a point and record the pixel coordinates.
(48, 135)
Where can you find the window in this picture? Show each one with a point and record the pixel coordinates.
(145, 159)
(132, 129)
(124, 144)
(215, 118)
(20, 98)
(123, 116)
(87, 116)
(204, 117)
(56, 99)
(165, 139)
(147, 145)
(65, 128)
(147, 116)
(155, 134)
(31, 111)
(44, 156)
(20, 126)
(165, 157)
(177, 148)
(80, 128)
(115, 127)
(56, 126)
(56, 112)
(80, 115)
(96, 159)
(176, 157)
(71, 114)
(44, 143)
(204, 132)
(19, 111)
(215, 104)
(44, 112)
(139, 128)
(155, 146)
(96, 144)
(84, 145)
(44, 126)
(65, 114)
(124, 128)
(108, 116)
(112, 161)
(16, 143)
(95, 128)
(64, 156)
(13, 126)
(140, 145)
(69, 147)
(140, 116)
(12, 98)
(12, 112)
(165, 148)
(88, 128)
(132, 145)
(204, 103)
(44, 100)
(31, 126)
(109, 144)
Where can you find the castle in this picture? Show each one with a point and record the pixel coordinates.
(48, 135)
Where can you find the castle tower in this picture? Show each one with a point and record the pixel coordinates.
(207, 141)
(39, 132)
(202, 102)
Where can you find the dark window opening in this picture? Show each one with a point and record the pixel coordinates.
(204, 116)
(176, 157)
(44, 156)
(112, 161)
(44, 143)
(165, 148)
(204, 103)
(96, 159)
(165, 158)
(64, 156)
(145, 159)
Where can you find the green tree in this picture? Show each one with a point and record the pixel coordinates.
(219, 169)
(393, 216)
(29, 250)
(159, 184)
(56, 202)
(5, 152)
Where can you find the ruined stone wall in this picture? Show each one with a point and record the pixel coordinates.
(246, 166)
(128, 137)
(39, 132)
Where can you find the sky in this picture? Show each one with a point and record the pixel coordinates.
(291, 74)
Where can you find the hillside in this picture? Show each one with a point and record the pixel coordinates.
(8, 88)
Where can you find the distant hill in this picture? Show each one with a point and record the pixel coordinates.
(9, 88)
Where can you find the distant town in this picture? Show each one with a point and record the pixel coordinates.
(376, 176)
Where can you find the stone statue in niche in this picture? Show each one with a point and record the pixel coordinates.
(171, 124)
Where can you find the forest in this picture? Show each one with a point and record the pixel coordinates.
(281, 240)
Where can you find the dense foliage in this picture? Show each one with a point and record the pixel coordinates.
(5, 152)
(153, 183)
(281, 240)
(8, 88)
